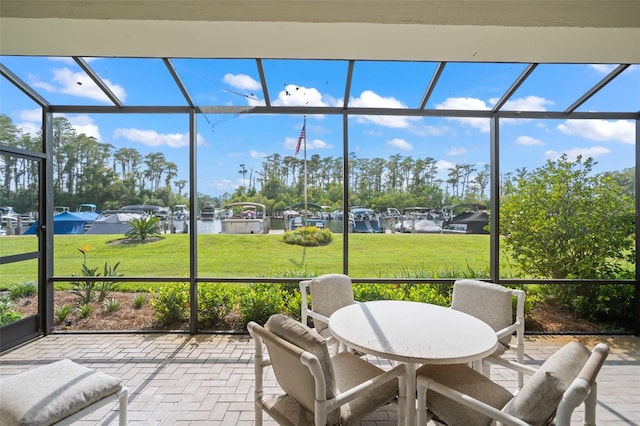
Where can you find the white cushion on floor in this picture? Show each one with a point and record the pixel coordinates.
(47, 394)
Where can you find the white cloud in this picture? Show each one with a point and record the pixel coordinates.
(600, 130)
(153, 138)
(256, 154)
(31, 115)
(69, 60)
(400, 144)
(442, 168)
(370, 99)
(530, 103)
(32, 123)
(78, 84)
(29, 128)
(573, 153)
(425, 130)
(475, 104)
(293, 95)
(85, 124)
(603, 68)
(312, 144)
(528, 141)
(456, 152)
(223, 185)
(241, 81)
(82, 124)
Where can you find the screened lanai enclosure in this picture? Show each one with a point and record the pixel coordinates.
(528, 113)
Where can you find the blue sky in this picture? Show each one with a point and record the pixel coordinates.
(227, 141)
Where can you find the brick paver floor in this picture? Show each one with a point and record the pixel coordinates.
(178, 379)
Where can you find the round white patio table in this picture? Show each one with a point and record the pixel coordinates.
(413, 333)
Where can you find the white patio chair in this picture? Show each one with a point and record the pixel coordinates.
(318, 389)
(329, 293)
(457, 395)
(493, 304)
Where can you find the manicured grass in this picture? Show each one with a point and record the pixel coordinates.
(370, 256)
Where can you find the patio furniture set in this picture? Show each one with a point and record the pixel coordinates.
(441, 356)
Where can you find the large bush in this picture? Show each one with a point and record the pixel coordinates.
(561, 221)
(308, 236)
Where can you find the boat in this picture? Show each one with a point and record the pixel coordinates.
(365, 220)
(86, 207)
(8, 214)
(115, 221)
(60, 209)
(466, 219)
(420, 220)
(247, 218)
(181, 212)
(225, 214)
(208, 213)
(297, 217)
(67, 223)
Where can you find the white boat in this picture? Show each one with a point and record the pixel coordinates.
(297, 217)
(86, 207)
(208, 213)
(114, 222)
(248, 218)
(181, 212)
(365, 220)
(420, 220)
(8, 214)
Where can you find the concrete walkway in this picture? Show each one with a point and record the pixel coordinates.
(178, 379)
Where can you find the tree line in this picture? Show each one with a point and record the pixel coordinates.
(87, 170)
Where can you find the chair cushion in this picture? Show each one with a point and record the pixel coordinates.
(329, 293)
(351, 370)
(492, 303)
(48, 394)
(468, 381)
(539, 397)
(305, 338)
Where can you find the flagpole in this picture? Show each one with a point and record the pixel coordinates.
(306, 214)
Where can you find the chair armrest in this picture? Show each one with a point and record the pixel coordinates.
(354, 392)
(318, 316)
(509, 330)
(426, 383)
(525, 369)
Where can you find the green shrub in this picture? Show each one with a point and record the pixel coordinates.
(143, 228)
(88, 291)
(85, 310)
(170, 303)
(367, 292)
(62, 312)
(259, 302)
(7, 314)
(215, 302)
(609, 303)
(429, 293)
(111, 305)
(308, 236)
(20, 290)
(139, 300)
(292, 303)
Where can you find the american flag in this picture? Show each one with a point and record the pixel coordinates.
(302, 136)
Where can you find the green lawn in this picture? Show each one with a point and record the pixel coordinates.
(219, 255)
